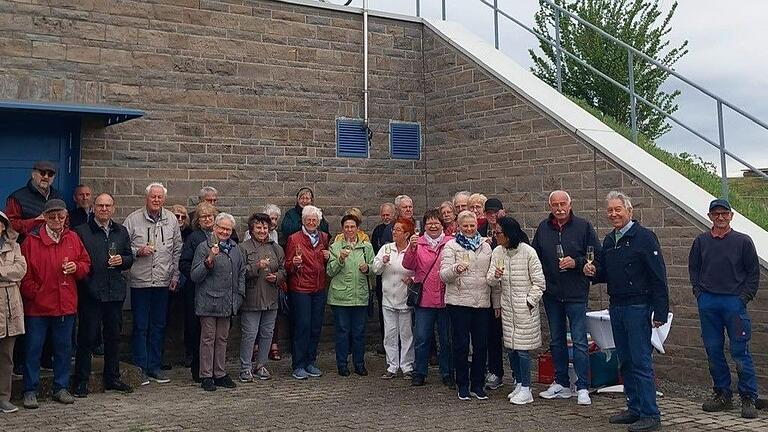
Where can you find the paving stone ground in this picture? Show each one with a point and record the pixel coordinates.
(334, 403)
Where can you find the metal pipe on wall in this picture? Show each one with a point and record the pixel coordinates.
(365, 62)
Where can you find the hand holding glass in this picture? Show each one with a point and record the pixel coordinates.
(560, 254)
(590, 254)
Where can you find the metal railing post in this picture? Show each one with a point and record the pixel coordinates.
(496, 23)
(632, 96)
(558, 54)
(418, 8)
(723, 170)
(443, 10)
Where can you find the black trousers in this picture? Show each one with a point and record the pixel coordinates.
(191, 329)
(98, 318)
(495, 346)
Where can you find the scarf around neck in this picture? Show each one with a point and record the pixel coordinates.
(434, 243)
(314, 238)
(470, 244)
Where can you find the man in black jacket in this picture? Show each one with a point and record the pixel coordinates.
(102, 294)
(83, 210)
(567, 293)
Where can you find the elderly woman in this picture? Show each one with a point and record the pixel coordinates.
(349, 269)
(274, 216)
(448, 216)
(463, 268)
(398, 332)
(476, 204)
(218, 269)
(202, 230)
(516, 268)
(423, 257)
(183, 218)
(13, 266)
(362, 236)
(293, 220)
(264, 272)
(306, 253)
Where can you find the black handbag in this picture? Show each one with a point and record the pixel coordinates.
(415, 288)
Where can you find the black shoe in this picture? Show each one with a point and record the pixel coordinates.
(224, 381)
(362, 371)
(624, 417)
(718, 402)
(645, 424)
(166, 366)
(81, 390)
(99, 350)
(343, 371)
(417, 381)
(748, 408)
(118, 386)
(761, 404)
(208, 384)
(448, 381)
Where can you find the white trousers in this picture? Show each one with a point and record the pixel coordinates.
(398, 339)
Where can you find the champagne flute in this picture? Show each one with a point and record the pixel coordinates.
(560, 254)
(500, 263)
(214, 239)
(64, 264)
(465, 259)
(112, 250)
(388, 249)
(417, 227)
(298, 254)
(590, 254)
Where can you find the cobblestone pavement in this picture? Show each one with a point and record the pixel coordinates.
(333, 403)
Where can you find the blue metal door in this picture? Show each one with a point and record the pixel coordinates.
(26, 138)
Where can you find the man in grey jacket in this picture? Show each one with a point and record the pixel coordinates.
(156, 244)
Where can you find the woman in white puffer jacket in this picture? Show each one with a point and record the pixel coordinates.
(516, 267)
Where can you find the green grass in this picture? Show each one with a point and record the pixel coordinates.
(747, 195)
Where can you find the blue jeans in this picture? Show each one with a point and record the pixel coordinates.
(37, 328)
(520, 362)
(719, 312)
(349, 322)
(466, 322)
(307, 312)
(576, 314)
(149, 307)
(425, 327)
(631, 327)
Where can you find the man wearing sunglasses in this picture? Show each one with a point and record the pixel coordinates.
(24, 207)
(725, 274)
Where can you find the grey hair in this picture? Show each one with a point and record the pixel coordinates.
(311, 210)
(459, 194)
(221, 216)
(567, 195)
(271, 209)
(388, 204)
(466, 214)
(400, 198)
(205, 191)
(156, 185)
(616, 195)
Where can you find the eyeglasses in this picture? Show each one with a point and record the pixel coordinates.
(181, 217)
(723, 215)
(56, 216)
(434, 224)
(47, 173)
(224, 229)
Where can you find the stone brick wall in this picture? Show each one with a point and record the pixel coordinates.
(481, 136)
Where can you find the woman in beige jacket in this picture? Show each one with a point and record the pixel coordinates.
(13, 266)
(516, 268)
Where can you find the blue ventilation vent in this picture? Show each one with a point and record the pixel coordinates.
(405, 140)
(351, 138)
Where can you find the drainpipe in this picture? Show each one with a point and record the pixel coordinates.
(365, 69)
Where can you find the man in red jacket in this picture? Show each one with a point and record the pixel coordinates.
(56, 260)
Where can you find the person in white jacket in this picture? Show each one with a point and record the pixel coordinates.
(516, 268)
(398, 324)
(463, 268)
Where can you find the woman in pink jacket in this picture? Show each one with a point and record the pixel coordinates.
(423, 257)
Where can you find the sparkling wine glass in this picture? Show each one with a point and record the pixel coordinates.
(590, 254)
(560, 254)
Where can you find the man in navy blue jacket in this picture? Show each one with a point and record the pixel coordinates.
(567, 292)
(725, 274)
(633, 267)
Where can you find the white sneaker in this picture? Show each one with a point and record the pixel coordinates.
(515, 391)
(522, 397)
(556, 391)
(583, 397)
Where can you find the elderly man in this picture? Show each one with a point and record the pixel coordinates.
(725, 274)
(461, 201)
(156, 244)
(56, 260)
(387, 214)
(567, 293)
(633, 267)
(24, 206)
(404, 209)
(102, 294)
(83, 211)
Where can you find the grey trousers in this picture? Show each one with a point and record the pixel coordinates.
(214, 332)
(256, 325)
(6, 367)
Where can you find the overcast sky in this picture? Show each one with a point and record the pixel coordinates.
(721, 58)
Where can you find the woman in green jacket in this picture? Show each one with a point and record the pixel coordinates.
(349, 269)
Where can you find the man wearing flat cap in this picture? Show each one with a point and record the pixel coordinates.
(24, 206)
(56, 260)
(725, 273)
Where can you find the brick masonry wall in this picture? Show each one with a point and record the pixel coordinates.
(481, 136)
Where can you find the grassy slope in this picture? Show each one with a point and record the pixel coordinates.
(747, 195)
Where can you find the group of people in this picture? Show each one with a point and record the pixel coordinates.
(466, 271)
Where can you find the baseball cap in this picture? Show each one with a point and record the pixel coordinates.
(720, 203)
(493, 204)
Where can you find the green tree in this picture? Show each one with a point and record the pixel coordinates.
(636, 23)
